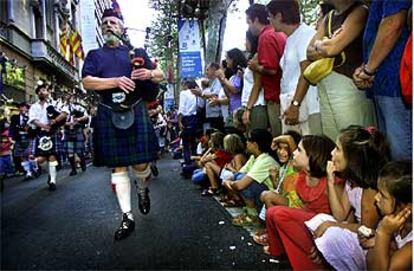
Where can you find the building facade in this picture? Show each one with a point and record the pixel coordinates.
(91, 14)
(29, 46)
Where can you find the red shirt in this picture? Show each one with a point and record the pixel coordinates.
(269, 52)
(315, 198)
(5, 142)
(222, 158)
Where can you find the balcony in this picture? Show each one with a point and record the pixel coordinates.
(46, 55)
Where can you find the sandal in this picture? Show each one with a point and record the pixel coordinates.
(209, 192)
(231, 203)
(261, 239)
(245, 220)
(266, 250)
(261, 231)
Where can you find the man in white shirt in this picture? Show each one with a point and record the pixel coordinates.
(299, 103)
(46, 116)
(187, 119)
(74, 141)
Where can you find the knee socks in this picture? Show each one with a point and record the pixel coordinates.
(52, 171)
(142, 177)
(123, 190)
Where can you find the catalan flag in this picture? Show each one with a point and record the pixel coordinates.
(75, 40)
(63, 42)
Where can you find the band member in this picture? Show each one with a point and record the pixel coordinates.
(19, 131)
(123, 133)
(46, 116)
(74, 139)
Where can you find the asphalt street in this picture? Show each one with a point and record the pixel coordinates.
(72, 228)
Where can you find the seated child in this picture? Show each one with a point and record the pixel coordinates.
(391, 248)
(254, 177)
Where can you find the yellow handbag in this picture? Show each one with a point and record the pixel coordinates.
(321, 68)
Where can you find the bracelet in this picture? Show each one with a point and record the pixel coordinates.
(248, 109)
(364, 69)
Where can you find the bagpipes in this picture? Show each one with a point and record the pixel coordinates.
(144, 89)
(52, 114)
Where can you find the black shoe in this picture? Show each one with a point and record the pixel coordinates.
(73, 173)
(52, 186)
(127, 226)
(154, 170)
(38, 172)
(144, 202)
(83, 165)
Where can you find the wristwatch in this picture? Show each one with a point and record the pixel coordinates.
(295, 103)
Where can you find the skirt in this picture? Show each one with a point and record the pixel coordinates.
(114, 147)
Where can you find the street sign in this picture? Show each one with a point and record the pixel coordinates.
(190, 49)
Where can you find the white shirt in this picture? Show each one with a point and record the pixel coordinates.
(214, 89)
(224, 108)
(295, 52)
(188, 103)
(248, 82)
(39, 112)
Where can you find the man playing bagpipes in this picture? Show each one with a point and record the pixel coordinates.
(74, 139)
(46, 116)
(123, 133)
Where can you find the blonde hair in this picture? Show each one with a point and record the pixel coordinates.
(233, 144)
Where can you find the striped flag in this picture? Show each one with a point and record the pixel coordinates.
(117, 9)
(63, 42)
(75, 40)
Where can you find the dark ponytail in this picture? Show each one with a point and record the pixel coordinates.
(366, 152)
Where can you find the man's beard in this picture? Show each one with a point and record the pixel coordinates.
(110, 38)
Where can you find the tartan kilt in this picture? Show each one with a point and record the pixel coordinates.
(114, 147)
(74, 141)
(22, 147)
(35, 145)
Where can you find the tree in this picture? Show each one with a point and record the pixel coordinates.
(308, 9)
(163, 42)
(216, 25)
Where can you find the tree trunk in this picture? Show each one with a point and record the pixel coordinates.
(216, 23)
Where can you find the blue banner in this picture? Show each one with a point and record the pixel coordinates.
(190, 49)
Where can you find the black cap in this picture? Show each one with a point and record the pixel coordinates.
(23, 104)
(39, 87)
(109, 12)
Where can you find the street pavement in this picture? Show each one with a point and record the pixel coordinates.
(72, 228)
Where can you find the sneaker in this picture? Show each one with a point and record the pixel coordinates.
(73, 172)
(28, 177)
(52, 186)
(144, 202)
(127, 226)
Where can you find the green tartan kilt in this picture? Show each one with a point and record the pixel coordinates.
(114, 147)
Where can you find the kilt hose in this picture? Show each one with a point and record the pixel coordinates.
(74, 141)
(114, 147)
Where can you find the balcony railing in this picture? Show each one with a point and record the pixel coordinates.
(42, 51)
